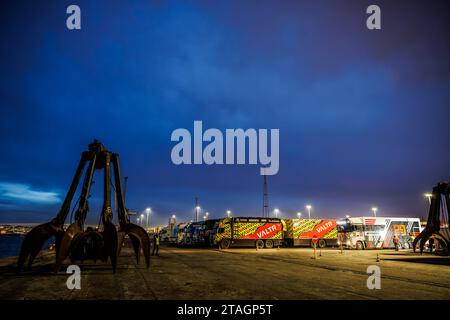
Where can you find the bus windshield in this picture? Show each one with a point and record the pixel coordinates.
(348, 227)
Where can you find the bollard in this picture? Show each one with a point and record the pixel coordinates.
(320, 252)
(314, 251)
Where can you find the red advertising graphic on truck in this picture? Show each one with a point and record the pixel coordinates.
(301, 232)
(320, 230)
(265, 231)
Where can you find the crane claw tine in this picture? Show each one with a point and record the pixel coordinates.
(422, 243)
(33, 242)
(136, 246)
(417, 240)
(65, 243)
(110, 237)
(140, 239)
(120, 241)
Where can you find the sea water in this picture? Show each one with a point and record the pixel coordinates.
(10, 245)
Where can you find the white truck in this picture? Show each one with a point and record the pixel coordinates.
(377, 232)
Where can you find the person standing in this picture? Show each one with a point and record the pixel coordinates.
(155, 244)
(395, 241)
(411, 239)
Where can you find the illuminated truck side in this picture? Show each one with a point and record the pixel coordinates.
(299, 232)
(378, 232)
(191, 234)
(253, 232)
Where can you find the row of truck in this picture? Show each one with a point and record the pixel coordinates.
(359, 232)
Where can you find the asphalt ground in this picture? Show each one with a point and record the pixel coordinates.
(198, 273)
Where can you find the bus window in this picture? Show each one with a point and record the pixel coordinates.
(343, 227)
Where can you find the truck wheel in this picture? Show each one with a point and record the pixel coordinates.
(225, 243)
(269, 244)
(322, 243)
(359, 245)
(259, 244)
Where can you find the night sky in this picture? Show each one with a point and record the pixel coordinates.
(363, 115)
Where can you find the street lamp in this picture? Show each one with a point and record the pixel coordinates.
(142, 218)
(137, 220)
(276, 211)
(347, 216)
(308, 207)
(174, 216)
(299, 215)
(374, 210)
(228, 213)
(428, 195)
(148, 210)
(204, 217)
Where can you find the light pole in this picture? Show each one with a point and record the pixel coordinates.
(228, 213)
(137, 220)
(276, 211)
(308, 207)
(428, 195)
(374, 210)
(197, 212)
(142, 219)
(299, 215)
(148, 211)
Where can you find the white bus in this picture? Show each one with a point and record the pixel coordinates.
(377, 232)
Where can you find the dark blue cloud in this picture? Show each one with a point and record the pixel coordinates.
(363, 115)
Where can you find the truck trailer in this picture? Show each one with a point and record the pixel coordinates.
(250, 232)
(300, 232)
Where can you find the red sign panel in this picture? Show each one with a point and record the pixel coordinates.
(266, 231)
(320, 230)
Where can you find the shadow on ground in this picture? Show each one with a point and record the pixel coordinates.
(434, 261)
(49, 269)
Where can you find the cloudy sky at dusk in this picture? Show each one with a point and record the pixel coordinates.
(363, 115)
